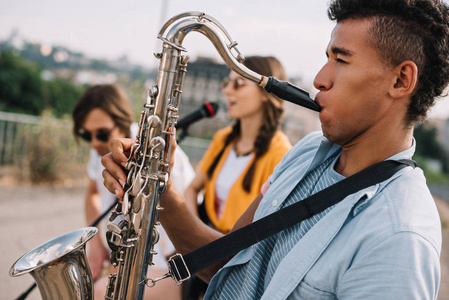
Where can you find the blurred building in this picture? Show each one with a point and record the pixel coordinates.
(203, 83)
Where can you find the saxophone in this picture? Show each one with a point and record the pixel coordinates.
(133, 227)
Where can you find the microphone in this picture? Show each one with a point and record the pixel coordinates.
(207, 110)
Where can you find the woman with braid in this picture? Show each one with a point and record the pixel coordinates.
(241, 157)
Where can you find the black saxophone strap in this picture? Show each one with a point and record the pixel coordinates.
(182, 266)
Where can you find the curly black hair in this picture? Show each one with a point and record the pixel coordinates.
(416, 30)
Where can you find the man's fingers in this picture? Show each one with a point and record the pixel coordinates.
(114, 175)
(112, 184)
(120, 149)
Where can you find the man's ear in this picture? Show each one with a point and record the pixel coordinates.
(406, 79)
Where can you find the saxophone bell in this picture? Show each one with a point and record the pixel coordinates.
(60, 266)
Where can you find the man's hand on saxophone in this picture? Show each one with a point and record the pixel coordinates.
(186, 231)
(114, 163)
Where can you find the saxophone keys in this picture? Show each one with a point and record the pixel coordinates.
(155, 240)
(185, 59)
(137, 203)
(125, 204)
(153, 91)
(157, 144)
(137, 186)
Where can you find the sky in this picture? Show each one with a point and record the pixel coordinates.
(294, 31)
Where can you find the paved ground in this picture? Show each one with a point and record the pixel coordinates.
(31, 215)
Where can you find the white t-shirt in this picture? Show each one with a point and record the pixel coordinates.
(182, 174)
(232, 168)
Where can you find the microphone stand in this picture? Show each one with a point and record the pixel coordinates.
(182, 135)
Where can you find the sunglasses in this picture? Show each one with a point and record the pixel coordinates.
(236, 83)
(102, 134)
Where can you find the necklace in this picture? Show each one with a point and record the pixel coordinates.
(238, 153)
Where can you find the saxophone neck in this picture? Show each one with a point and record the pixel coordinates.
(175, 30)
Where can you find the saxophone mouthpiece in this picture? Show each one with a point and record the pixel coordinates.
(289, 92)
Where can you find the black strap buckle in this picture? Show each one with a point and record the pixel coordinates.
(178, 269)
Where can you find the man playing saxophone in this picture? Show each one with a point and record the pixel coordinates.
(387, 62)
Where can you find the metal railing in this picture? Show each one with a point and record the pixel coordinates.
(194, 148)
(16, 128)
(12, 129)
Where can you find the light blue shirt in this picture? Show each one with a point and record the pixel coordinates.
(382, 242)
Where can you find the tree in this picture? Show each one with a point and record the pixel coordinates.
(20, 85)
(427, 145)
(23, 91)
(61, 95)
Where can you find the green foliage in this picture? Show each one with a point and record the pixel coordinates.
(444, 224)
(98, 64)
(20, 85)
(427, 143)
(23, 91)
(61, 95)
(428, 146)
(432, 177)
(52, 151)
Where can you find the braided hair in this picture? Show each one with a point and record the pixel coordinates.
(272, 113)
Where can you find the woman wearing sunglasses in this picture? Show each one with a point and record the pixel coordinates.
(241, 157)
(104, 112)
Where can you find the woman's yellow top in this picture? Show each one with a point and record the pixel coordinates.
(238, 199)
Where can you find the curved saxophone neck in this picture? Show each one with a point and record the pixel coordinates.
(175, 30)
